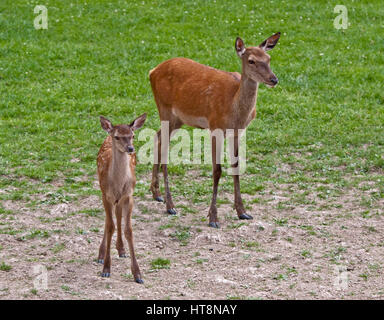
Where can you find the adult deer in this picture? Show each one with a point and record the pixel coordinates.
(187, 92)
(116, 163)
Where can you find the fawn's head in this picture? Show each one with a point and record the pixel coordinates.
(256, 61)
(123, 134)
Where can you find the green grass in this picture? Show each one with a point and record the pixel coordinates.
(182, 234)
(5, 267)
(323, 121)
(37, 234)
(160, 263)
(58, 248)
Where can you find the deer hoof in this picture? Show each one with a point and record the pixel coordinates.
(139, 281)
(245, 216)
(105, 275)
(214, 225)
(159, 199)
(172, 211)
(101, 261)
(122, 255)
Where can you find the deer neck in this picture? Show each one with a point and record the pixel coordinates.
(245, 100)
(120, 164)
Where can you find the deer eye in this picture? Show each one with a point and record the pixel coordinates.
(251, 62)
(117, 138)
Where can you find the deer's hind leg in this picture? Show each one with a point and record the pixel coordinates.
(169, 123)
(156, 168)
(174, 124)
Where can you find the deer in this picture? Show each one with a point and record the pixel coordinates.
(190, 93)
(116, 163)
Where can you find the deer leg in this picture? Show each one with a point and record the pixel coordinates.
(109, 229)
(119, 240)
(168, 196)
(127, 208)
(155, 171)
(164, 147)
(216, 167)
(239, 206)
(101, 256)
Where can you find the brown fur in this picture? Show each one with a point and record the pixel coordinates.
(187, 92)
(116, 171)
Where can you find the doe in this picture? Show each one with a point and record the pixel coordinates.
(116, 163)
(187, 92)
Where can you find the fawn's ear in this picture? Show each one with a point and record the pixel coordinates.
(106, 124)
(138, 122)
(240, 47)
(270, 42)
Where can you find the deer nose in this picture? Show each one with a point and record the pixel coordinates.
(274, 80)
(130, 149)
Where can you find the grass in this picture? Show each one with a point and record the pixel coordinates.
(160, 263)
(306, 254)
(182, 234)
(323, 121)
(58, 248)
(5, 267)
(37, 234)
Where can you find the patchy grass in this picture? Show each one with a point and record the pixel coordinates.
(5, 267)
(160, 263)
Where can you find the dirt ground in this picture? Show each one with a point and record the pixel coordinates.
(293, 253)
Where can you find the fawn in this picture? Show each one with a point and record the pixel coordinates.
(116, 163)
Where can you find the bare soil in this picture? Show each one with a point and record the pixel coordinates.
(330, 250)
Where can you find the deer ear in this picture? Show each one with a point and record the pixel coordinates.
(240, 47)
(138, 122)
(270, 42)
(106, 124)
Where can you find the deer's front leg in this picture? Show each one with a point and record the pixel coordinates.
(235, 164)
(109, 229)
(213, 221)
(216, 174)
(119, 240)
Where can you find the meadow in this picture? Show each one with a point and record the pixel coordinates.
(314, 181)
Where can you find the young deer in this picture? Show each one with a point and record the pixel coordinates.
(116, 163)
(190, 93)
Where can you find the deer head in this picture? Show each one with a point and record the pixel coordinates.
(256, 60)
(123, 134)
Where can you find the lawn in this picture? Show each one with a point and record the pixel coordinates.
(318, 136)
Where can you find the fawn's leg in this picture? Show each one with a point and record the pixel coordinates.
(119, 240)
(127, 206)
(109, 229)
(216, 168)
